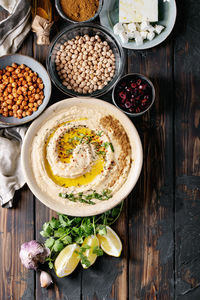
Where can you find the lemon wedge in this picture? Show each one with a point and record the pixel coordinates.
(110, 243)
(90, 243)
(67, 260)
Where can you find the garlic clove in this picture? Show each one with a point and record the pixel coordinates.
(45, 279)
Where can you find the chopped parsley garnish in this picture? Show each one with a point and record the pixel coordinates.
(84, 260)
(111, 146)
(105, 195)
(99, 133)
(106, 144)
(103, 153)
(69, 151)
(98, 251)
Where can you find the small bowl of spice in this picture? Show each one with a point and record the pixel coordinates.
(134, 94)
(77, 11)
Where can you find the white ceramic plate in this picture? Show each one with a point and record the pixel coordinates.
(109, 16)
(87, 210)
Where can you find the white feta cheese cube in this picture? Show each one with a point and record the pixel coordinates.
(138, 28)
(138, 11)
(136, 34)
(143, 34)
(144, 26)
(130, 35)
(150, 28)
(159, 28)
(139, 40)
(118, 28)
(150, 36)
(131, 27)
(124, 38)
(125, 26)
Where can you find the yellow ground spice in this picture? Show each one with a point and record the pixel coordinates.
(79, 10)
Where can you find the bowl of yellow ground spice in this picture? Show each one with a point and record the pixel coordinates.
(77, 11)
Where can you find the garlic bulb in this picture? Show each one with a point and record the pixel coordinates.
(32, 253)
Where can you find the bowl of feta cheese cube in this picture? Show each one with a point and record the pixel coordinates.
(139, 24)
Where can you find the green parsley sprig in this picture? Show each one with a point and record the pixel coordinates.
(65, 230)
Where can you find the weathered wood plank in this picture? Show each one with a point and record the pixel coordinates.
(17, 227)
(151, 203)
(187, 151)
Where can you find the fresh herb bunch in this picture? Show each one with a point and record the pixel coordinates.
(66, 230)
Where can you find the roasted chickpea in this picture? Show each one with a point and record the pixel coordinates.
(21, 91)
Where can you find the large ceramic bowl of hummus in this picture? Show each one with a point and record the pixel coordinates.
(82, 156)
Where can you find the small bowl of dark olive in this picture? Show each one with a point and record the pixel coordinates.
(134, 94)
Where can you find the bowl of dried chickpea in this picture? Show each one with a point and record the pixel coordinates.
(85, 60)
(25, 89)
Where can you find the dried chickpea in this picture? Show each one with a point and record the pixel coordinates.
(87, 63)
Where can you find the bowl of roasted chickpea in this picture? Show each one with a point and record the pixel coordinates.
(25, 89)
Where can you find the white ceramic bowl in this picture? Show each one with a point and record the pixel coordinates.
(137, 157)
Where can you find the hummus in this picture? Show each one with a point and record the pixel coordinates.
(81, 154)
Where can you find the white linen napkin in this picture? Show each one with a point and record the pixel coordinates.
(16, 26)
(11, 175)
(9, 5)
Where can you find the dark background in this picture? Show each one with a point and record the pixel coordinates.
(160, 222)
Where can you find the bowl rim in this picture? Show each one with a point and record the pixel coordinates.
(82, 25)
(32, 117)
(101, 207)
(64, 16)
(153, 94)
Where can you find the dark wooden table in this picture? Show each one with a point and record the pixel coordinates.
(160, 222)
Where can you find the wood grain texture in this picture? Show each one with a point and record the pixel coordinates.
(187, 154)
(159, 225)
(17, 226)
(151, 203)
